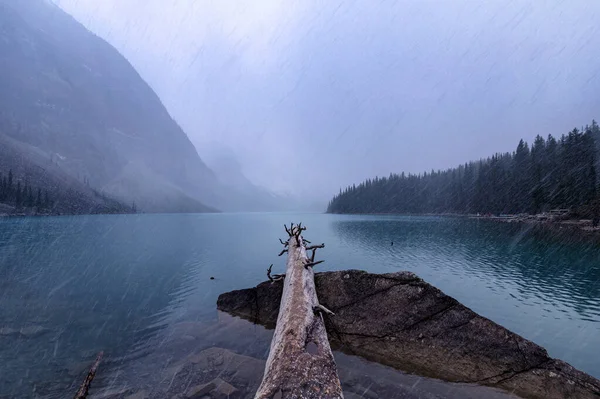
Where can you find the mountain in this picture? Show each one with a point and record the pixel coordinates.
(75, 113)
(243, 194)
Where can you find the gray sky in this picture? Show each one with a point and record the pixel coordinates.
(314, 95)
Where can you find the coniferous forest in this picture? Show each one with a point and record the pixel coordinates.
(551, 173)
(22, 196)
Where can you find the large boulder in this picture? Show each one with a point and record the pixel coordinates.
(399, 320)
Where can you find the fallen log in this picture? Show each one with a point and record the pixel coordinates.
(300, 362)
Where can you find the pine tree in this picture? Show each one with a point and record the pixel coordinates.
(18, 195)
(10, 181)
(538, 159)
(38, 201)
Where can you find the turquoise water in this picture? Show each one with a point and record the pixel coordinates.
(121, 283)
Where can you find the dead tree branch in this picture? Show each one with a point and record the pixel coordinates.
(274, 277)
(282, 252)
(312, 264)
(321, 308)
(284, 243)
(83, 390)
(314, 248)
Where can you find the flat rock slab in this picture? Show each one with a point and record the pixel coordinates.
(399, 320)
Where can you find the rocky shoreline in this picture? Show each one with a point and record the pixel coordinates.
(401, 321)
(185, 368)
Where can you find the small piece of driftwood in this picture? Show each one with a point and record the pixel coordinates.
(83, 389)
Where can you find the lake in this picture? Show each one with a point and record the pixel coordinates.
(126, 284)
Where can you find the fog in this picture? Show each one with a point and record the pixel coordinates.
(312, 95)
(149, 171)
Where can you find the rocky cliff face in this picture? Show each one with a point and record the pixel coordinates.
(399, 320)
(74, 101)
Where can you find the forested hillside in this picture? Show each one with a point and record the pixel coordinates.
(18, 195)
(22, 196)
(75, 116)
(552, 173)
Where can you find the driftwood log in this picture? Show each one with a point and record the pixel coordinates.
(300, 362)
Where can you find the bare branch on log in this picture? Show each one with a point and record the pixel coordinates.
(321, 308)
(282, 252)
(288, 231)
(83, 390)
(305, 241)
(274, 277)
(312, 264)
(314, 248)
(284, 243)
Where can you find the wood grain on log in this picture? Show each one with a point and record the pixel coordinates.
(300, 363)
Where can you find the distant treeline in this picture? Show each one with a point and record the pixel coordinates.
(553, 173)
(22, 196)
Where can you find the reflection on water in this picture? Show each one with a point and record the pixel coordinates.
(129, 284)
(544, 289)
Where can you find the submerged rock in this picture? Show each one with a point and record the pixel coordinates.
(7, 332)
(213, 373)
(25, 332)
(400, 320)
(33, 331)
(220, 373)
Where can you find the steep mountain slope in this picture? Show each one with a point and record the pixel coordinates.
(71, 98)
(243, 194)
(68, 195)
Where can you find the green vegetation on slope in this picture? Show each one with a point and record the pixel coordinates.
(19, 196)
(23, 196)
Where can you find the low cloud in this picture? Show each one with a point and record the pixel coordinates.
(311, 96)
